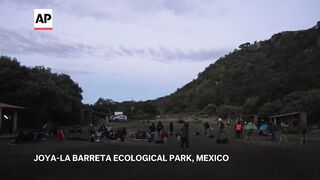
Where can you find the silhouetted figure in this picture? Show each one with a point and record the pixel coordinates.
(238, 128)
(272, 130)
(283, 137)
(171, 128)
(222, 136)
(159, 128)
(206, 127)
(152, 130)
(185, 135)
(122, 133)
(304, 137)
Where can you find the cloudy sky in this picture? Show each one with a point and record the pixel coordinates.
(142, 49)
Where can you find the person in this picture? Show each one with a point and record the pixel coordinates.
(92, 137)
(272, 130)
(121, 133)
(229, 121)
(304, 137)
(252, 127)
(124, 131)
(211, 133)
(59, 135)
(185, 135)
(108, 128)
(283, 137)
(164, 135)
(91, 129)
(238, 128)
(241, 130)
(222, 136)
(159, 128)
(152, 130)
(171, 128)
(98, 135)
(221, 125)
(206, 127)
(108, 131)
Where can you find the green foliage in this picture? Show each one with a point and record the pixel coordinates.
(105, 105)
(307, 101)
(298, 101)
(270, 108)
(227, 110)
(47, 96)
(134, 110)
(251, 105)
(210, 109)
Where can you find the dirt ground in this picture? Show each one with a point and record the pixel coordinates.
(257, 159)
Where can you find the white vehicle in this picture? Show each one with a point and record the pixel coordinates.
(119, 118)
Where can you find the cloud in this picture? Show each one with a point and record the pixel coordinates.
(124, 10)
(72, 71)
(32, 42)
(164, 54)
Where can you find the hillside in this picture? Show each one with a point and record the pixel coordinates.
(278, 75)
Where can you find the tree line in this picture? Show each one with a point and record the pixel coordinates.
(47, 96)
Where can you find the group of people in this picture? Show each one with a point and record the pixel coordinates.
(107, 132)
(250, 127)
(42, 135)
(158, 134)
(162, 135)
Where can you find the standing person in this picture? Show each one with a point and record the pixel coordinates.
(238, 128)
(272, 130)
(222, 136)
(123, 133)
(229, 121)
(250, 131)
(304, 137)
(250, 127)
(171, 128)
(91, 129)
(185, 135)
(59, 135)
(159, 128)
(152, 130)
(206, 127)
(283, 137)
(241, 130)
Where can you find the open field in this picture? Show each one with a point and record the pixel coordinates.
(259, 159)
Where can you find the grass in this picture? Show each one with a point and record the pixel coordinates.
(258, 159)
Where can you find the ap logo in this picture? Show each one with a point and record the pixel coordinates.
(42, 19)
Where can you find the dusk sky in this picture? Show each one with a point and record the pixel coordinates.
(142, 49)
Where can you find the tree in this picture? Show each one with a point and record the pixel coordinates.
(47, 96)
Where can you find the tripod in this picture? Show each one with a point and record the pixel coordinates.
(283, 138)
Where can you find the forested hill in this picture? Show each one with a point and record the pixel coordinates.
(281, 74)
